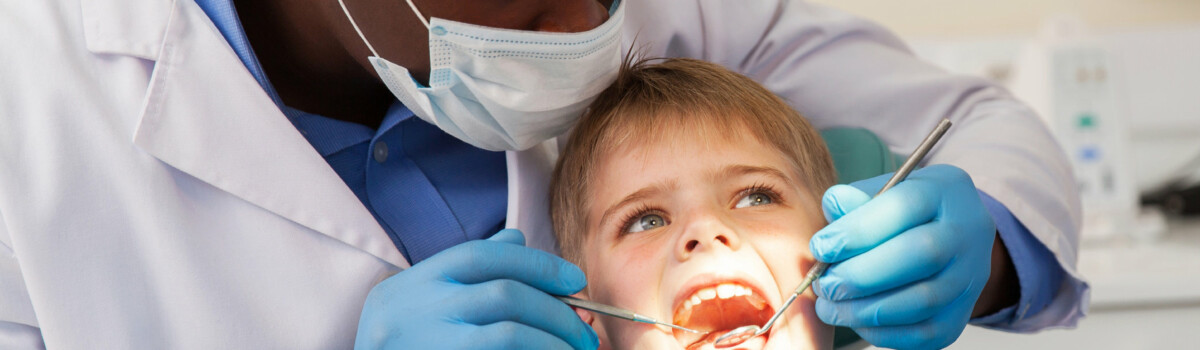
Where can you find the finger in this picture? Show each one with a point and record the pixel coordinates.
(907, 205)
(481, 261)
(506, 300)
(510, 335)
(935, 333)
(841, 199)
(911, 256)
(922, 336)
(509, 235)
(908, 305)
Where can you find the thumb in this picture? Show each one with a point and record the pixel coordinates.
(510, 236)
(842, 199)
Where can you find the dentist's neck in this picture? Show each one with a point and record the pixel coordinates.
(318, 64)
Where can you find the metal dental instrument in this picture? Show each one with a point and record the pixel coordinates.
(619, 313)
(741, 334)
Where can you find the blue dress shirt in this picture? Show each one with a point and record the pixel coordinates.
(427, 189)
(431, 191)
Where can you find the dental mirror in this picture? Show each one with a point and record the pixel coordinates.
(742, 334)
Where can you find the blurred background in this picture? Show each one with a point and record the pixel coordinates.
(1119, 83)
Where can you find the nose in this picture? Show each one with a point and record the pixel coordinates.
(707, 234)
(572, 16)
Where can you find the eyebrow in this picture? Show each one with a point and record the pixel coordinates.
(741, 170)
(642, 194)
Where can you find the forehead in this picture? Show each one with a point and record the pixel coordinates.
(668, 152)
(683, 165)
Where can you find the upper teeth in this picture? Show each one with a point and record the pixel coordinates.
(725, 291)
(722, 291)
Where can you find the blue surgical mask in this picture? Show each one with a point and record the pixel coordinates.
(501, 89)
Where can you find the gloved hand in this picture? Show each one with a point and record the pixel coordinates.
(487, 294)
(908, 265)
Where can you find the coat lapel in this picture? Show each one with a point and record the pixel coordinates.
(205, 115)
(529, 174)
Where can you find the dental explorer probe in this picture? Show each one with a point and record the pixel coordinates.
(619, 313)
(744, 333)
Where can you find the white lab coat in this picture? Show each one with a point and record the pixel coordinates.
(152, 195)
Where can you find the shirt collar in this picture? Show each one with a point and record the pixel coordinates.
(327, 135)
(225, 17)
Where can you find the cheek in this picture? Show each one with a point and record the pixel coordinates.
(783, 244)
(625, 274)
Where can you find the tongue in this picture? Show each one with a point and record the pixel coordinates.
(724, 314)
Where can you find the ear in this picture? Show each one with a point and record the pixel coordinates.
(590, 318)
(584, 315)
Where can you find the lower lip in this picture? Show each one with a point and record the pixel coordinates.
(753, 343)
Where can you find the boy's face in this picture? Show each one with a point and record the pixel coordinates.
(710, 234)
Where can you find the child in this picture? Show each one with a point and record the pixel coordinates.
(688, 193)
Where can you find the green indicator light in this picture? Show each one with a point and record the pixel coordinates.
(1087, 121)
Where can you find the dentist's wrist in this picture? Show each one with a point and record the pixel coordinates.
(1003, 288)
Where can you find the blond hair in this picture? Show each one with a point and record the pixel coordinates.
(675, 94)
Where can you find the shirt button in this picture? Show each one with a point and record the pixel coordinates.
(381, 151)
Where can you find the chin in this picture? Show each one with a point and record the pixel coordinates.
(780, 338)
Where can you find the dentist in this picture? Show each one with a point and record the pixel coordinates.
(328, 174)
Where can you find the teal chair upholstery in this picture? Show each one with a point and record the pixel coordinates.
(857, 154)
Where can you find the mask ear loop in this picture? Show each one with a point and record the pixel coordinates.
(419, 15)
(364, 37)
(359, 31)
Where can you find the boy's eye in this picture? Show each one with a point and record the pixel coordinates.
(753, 199)
(645, 223)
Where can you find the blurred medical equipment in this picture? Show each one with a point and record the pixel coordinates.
(1121, 104)
(742, 334)
(1176, 199)
(619, 313)
(1068, 77)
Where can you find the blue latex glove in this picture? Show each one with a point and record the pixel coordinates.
(487, 294)
(908, 265)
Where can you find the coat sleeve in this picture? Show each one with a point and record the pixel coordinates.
(842, 71)
(18, 324)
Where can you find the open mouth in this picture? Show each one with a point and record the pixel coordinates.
(719, 308)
